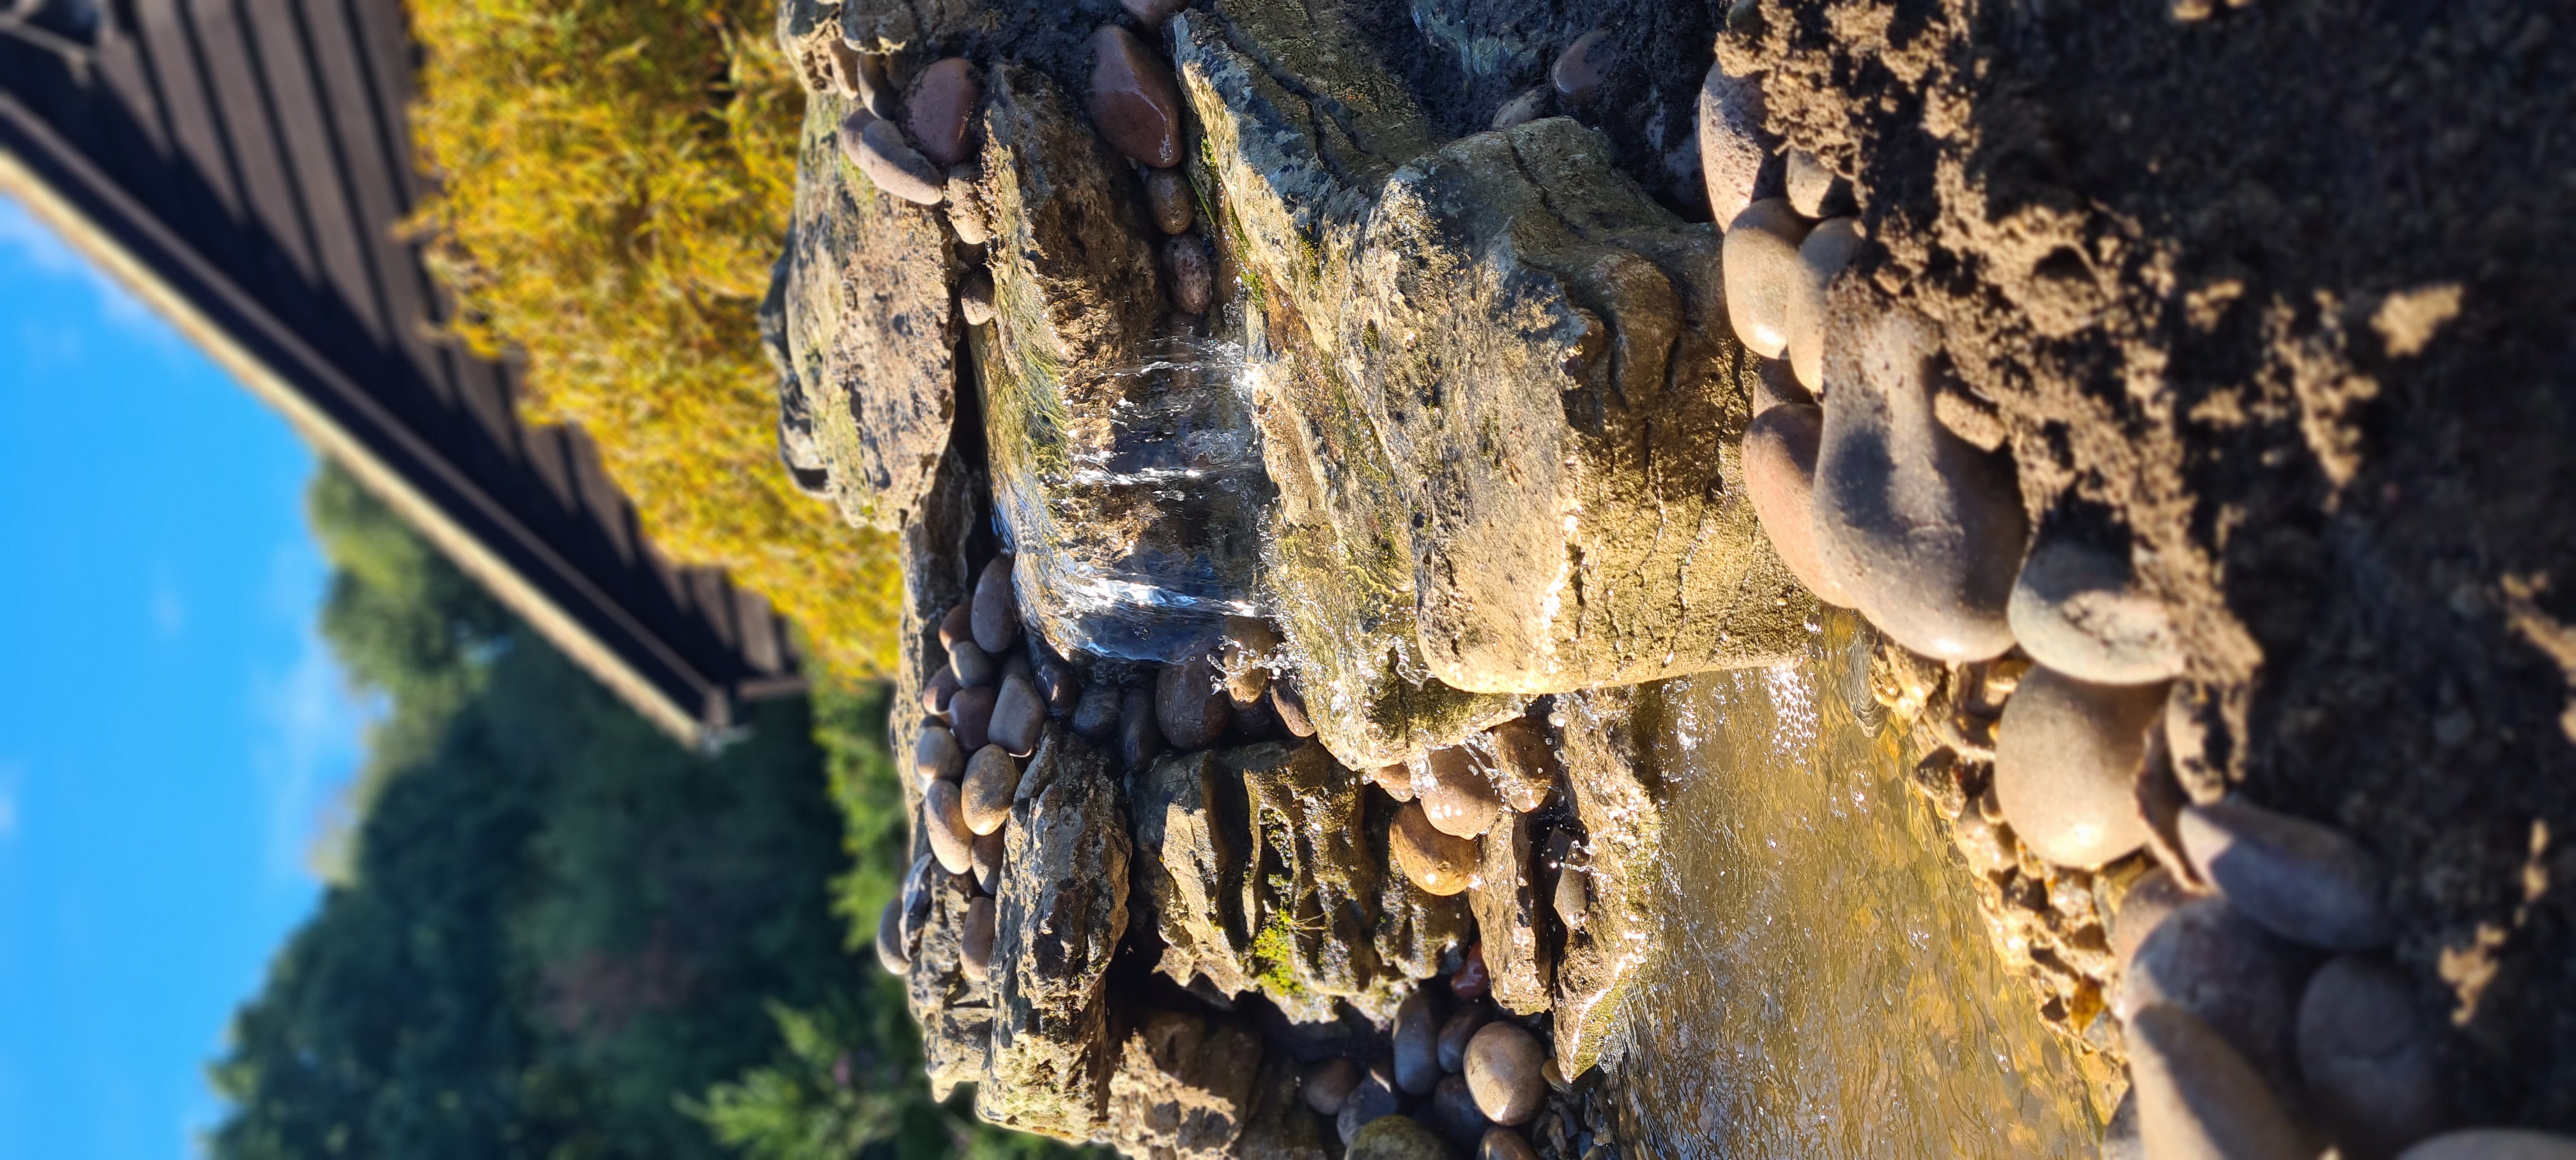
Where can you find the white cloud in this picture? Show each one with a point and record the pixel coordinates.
(313, 728)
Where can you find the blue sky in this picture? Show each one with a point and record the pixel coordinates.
(172, 730)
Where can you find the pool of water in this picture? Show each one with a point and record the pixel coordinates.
(1824, 987)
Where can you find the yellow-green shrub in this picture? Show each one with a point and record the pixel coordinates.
(614, 181)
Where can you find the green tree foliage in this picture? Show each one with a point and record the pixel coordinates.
(560, 935)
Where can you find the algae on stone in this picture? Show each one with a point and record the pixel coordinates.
(1606, 738)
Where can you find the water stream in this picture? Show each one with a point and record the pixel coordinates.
(1825, 987)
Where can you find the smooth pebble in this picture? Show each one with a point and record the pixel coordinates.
(944, 822)
(1167, 194)
(1524, 767)
(2067, 755)
(2153, 896)
(2494, 1144)
(1395, 1138)
(1325, 1085)
(936, 692)
(984, 793)
(1396, 780)
(896, 167)
(1734, 150)
(1436, 862)
(1520, 110)
(1019, 716)
(1152, 13)
(1462, 1026)
(2306, 882)
(1758, 262)
(1503, 1071)
(1134, 103)
(1923, 529)
(1417, 1044)
(891, 952)
(975, 943)
(1504, 1144)
(1190, 702)
(1095, 717)
(1371, 1100)
(1455, 792)
(1471, 980)
(974, 666)
(2078, 607)
(940, 112)
(1291, 709)
(1814, 189)
(1140, 740)
(2205, 959)
(988, 862)
(957, 624)
(1586, 63)
(1779, 456)
(1829, 247)
(2366, 1055)
(1193, 273)
(970, 714)
(2198, 1098)
(1454, 1112)
(997, 607)
(936, 755)
(975, 298)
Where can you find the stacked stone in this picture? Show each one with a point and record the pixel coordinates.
(1458, 1070)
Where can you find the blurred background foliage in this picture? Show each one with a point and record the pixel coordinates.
(561, 935)
(611, 186)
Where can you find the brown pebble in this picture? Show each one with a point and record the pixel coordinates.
(1779, 455)
(894, 166)
(1455, 793)
(1471, 980)
(1193, 274)
(1454, 1112)
(1095, 717)
(1291, 709)
(1140, 739)
(1167, 193)
(988, 862)
(936, 692)
(958, 624)
(1829, 247)
(973, 666)
(1019, 716)
(1503, 1071)
(941, 109)
(1396, 780)
(1462, 1026)
(967, 212)
(1249, 645)
(1504, 1144)
(1585, 64)
(1134, 103)
(2067, 755)
(2367, 1058)
(985, 792)
(970, 714)
(1520, 110)
(2197, 1097)
(944, 822)
(1436, 862)
(975, 943)
(936, 756)
(1416, 1044)
(1326, 1085)
(997, 608)
(2207, 959)
(1525, 768)
(1189, 703)
(1758, 261)
(975, 298)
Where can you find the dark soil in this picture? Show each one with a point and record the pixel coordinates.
(2204, 269)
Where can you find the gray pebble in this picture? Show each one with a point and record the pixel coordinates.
(2198, 1098)
(1417, 1045)
(2494, 1144)
(1019, 716)
(1015, 663)
(1369, 1102)
(2153, 896)
(892, 164)
(936, 755)
(2366, 1054)
(1586, 63)
(970, 714)
(1193, 272)
(984, 793)
(1056, 682)
(1503, 1064)
(1923, 529)
(936, 691)
(2066, 765)
(1167, 194)
(891, 952)
(1095, 717)
(1190, 703)
(1326, 1085)
(1140, 740)
(1779, 457)
(997, 608)
(943, 821)
(2205, 959)
(1828, 248)
(916, 896)
(957, 624)
(1455, 792)
(1814, 188)
(1758, 262)
(974, 666)
(1152, 13)
(975, 298)
(975, 943)
(967, 213)
(1733, 148)
(1520, 110)
(1454, 1112)
(2077, 607)
(2306, 882)
(1462, 1026)
(988, 862)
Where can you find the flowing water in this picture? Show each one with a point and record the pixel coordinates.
(1825, 987)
